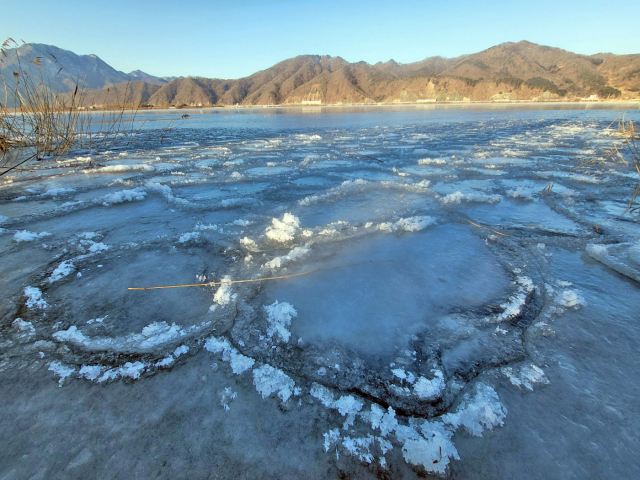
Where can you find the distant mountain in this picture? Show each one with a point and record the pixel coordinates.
(140, 76)
(506, 72)
(510, 71)
(62, 70)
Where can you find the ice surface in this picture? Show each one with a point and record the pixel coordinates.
(409, 333)
(404, 284)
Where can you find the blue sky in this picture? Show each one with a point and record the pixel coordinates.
(234, 39)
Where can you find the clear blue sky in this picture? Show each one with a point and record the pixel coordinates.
(232, 39)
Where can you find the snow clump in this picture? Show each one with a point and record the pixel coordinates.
(283, 230)
(526, 376)
(26, 236)
(135, 194)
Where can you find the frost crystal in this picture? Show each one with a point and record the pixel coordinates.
(61, 271)
(269, 380)
(238, 362)
(475, 414)
(279, 317)
(430, 389)
(34, 298)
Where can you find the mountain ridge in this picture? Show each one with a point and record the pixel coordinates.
(510, 71)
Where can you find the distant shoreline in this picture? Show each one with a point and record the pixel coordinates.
(603, 105)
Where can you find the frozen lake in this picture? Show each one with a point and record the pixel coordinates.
(413, 303)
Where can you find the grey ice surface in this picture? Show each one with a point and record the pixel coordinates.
(429, 313)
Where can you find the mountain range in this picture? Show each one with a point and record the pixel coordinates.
(506, 72)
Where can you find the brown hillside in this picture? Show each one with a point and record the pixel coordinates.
(510, 71)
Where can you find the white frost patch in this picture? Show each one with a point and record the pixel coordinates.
(283, 230)
(269, 380)
(279, 317)
(346, 405)
(279, 262)
(331, 437)
(135, 194)
(34, 298)
(188, 237)
(458, 197)
(571, 299)
(61, 271)
(24, 326)
(432, 161)
(427, 389)
(223, 295)
(129, 369)
(54, 192)
(181, 350)
(432, 450)
(26, 236)
(388, 422)
(238, 362)
(249, 244)
(359, 447)
(227, 396)
(346, 187)
(63, 371)
(513, 307)
(165, 362)
(72, 335)
(200, 227)
(403, 375)
(521, 192)
(525, 376)
(410, 224)
(153, 335)
(483, 411)
(91, 372)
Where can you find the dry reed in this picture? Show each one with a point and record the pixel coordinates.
(40, 120)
